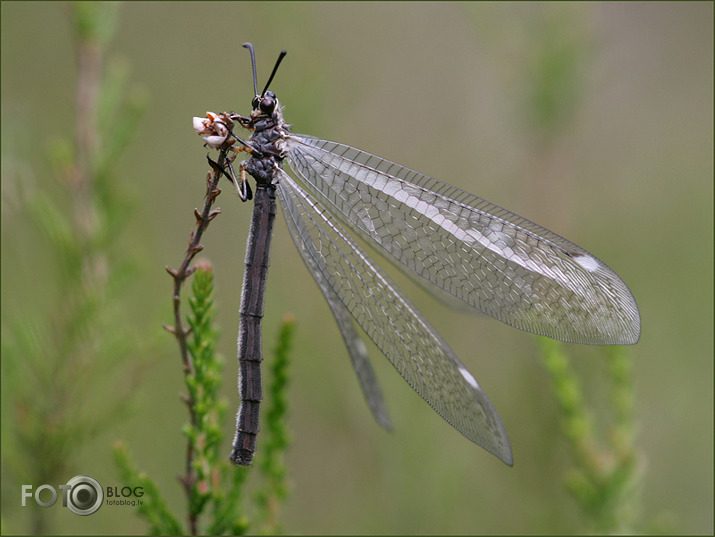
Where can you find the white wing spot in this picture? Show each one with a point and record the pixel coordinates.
(586, 261)
(469, 378)
(360, 347)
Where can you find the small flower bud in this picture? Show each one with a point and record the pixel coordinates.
(213, 128)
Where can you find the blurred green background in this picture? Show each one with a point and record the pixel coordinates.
(594, 120)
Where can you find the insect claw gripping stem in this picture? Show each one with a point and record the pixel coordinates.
(245, 123)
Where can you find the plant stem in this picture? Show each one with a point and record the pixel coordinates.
(203, 219)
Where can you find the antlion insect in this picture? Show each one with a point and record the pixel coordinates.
(461, 247)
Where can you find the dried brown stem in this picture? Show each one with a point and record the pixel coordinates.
(203, 219)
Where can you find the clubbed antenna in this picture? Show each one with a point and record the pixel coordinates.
(275, 68)
(249, 46)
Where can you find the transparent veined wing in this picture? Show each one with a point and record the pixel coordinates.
(398, 329)
(356, 348)
(492, 260)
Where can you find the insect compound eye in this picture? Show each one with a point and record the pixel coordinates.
(268, 103)
(254, 103)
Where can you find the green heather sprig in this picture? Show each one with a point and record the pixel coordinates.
(276, 439)
(68, 349)
(213, 487)
(151, 505)
(604, 479)
(203, 383)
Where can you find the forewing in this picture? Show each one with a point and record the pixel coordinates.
(398, 329)
(492, 260)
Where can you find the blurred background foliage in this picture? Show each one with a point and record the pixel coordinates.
(595, 120)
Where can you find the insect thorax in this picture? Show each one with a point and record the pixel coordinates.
(268, 138)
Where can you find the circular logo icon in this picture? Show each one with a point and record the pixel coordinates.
(85, 495)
